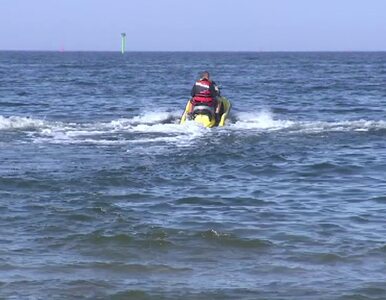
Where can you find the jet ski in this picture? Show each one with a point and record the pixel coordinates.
(205, 115)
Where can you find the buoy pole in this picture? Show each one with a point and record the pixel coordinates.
(123, 42)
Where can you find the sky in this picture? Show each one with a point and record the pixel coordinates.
(186, 25)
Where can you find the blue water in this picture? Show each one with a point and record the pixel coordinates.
(103, 195)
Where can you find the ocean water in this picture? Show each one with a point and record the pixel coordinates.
(103, 195)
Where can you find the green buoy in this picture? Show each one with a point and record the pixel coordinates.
(123, 42)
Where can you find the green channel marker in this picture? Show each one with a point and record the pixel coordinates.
(123, 44)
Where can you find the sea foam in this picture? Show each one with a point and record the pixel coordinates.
(15, 122)
(164, 127)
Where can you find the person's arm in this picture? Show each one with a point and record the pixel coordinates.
(213, 91)
(215, 94)
(193, 92)
(218, 107)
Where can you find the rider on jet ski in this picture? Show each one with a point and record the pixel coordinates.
(205, 92)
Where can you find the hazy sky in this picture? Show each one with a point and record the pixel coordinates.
(185, 25)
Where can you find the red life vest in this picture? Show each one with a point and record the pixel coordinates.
(203, 94)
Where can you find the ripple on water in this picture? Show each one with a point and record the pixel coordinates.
(379, 199)
(230, 240)
(103, 199)
(225, 201)
(370, 291)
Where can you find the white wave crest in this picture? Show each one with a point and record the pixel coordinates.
(164, 128)
(260, 120)
(14, 122)
(265, 121)
(145, 118)
(154, 127)
(356, 125)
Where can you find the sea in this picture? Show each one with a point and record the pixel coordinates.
(104, 195)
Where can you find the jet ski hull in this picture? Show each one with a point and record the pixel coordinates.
(205, 115)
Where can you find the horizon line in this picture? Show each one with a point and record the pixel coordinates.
(194, 51)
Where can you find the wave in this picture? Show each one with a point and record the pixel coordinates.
(15, 122)
(260, 120)
(163, 127)
(152, 127)
(230, 240)
(264, 120)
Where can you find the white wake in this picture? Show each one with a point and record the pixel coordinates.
(163, 127)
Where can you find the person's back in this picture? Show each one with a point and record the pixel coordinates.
(205, 92)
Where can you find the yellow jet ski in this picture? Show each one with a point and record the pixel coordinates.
(205, 115)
